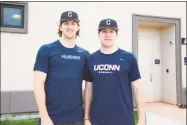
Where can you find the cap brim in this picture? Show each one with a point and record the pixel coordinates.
(109, 27)
(70, 19)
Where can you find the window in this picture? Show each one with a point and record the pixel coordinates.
(14, 17)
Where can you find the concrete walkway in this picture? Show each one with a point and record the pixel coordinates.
(165, 114)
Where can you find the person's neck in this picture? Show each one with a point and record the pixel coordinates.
(109, 50)
(68, 43)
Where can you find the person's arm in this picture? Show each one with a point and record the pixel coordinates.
(39, 92)
(40, 74)
(88, 92)
(138, 87)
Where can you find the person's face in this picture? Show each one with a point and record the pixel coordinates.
(69, 29)
(108, 37)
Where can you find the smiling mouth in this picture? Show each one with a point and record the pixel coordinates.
(69, 31)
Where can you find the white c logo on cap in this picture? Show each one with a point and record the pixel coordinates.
(108, 22)
(69, 14)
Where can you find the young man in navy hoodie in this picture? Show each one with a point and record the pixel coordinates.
(59, 73)
(113, 72)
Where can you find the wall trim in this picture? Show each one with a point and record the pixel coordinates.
(18, 102)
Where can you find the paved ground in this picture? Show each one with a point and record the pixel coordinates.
(159, 111)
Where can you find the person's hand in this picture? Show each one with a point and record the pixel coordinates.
(46, 121)
(87, 122)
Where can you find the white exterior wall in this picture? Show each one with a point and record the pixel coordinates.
(168, 86)
(18, 51)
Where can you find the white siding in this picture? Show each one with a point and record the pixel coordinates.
(18, 51)
(168, 62)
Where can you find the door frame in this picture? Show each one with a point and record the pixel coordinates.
(177, 22)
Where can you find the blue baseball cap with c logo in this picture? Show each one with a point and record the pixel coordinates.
(108, 23)
(69, 15)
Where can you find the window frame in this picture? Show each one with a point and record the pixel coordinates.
(15, 29)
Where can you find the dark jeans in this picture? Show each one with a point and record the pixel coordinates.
(70, 123)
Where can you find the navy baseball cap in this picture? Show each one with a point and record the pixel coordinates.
(108, 23)
(69, 15)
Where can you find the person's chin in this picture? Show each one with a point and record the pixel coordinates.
(107, 45)
(70, 36)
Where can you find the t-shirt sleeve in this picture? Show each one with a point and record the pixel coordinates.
(134, 72)
(41, 63)
(86, 72)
